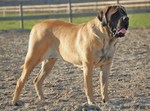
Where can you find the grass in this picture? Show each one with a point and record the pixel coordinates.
(139, 20)
(136, 21)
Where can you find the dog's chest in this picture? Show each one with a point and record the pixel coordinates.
(104, 55)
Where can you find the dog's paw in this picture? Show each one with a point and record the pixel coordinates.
(92, 107)
(18, 103)
(104, 101)
(40, 100)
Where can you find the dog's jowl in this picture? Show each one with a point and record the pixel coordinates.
(86, 45)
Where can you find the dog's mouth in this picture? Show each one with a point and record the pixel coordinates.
(121, 32)
(121, 27)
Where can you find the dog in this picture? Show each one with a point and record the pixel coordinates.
(86, 45)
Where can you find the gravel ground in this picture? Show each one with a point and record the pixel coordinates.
(129, 81)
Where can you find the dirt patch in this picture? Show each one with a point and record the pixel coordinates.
(129, 81)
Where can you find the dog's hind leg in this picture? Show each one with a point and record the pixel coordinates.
(34, 56)
(45, 70)
(28, 66)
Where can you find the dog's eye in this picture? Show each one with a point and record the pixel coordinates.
(115, 16)
(123, 12)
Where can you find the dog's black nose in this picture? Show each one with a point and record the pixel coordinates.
(125, 18)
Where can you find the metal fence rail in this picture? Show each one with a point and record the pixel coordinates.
(47, 9)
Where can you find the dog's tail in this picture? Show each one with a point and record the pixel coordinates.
(22, 67)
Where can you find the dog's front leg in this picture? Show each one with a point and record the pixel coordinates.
(87, 71)
(104, 81)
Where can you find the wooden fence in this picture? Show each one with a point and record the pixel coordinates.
(45, 9)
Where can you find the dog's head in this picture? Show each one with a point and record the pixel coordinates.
(115, 18)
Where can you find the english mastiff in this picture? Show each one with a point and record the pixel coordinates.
(86, 45)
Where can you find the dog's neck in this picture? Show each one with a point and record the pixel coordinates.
(95, 26)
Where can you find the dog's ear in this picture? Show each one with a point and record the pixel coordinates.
(102, 16)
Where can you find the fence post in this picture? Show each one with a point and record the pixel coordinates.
(117, 1)
(4, 12)
(21, 16)
(70, 12)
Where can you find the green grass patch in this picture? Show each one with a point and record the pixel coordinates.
(136, 21)
(4, 25)
(82, 20)
(139, 20)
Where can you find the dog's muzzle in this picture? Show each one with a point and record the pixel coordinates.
(121, 28)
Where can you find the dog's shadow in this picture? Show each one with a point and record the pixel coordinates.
(87, 107)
